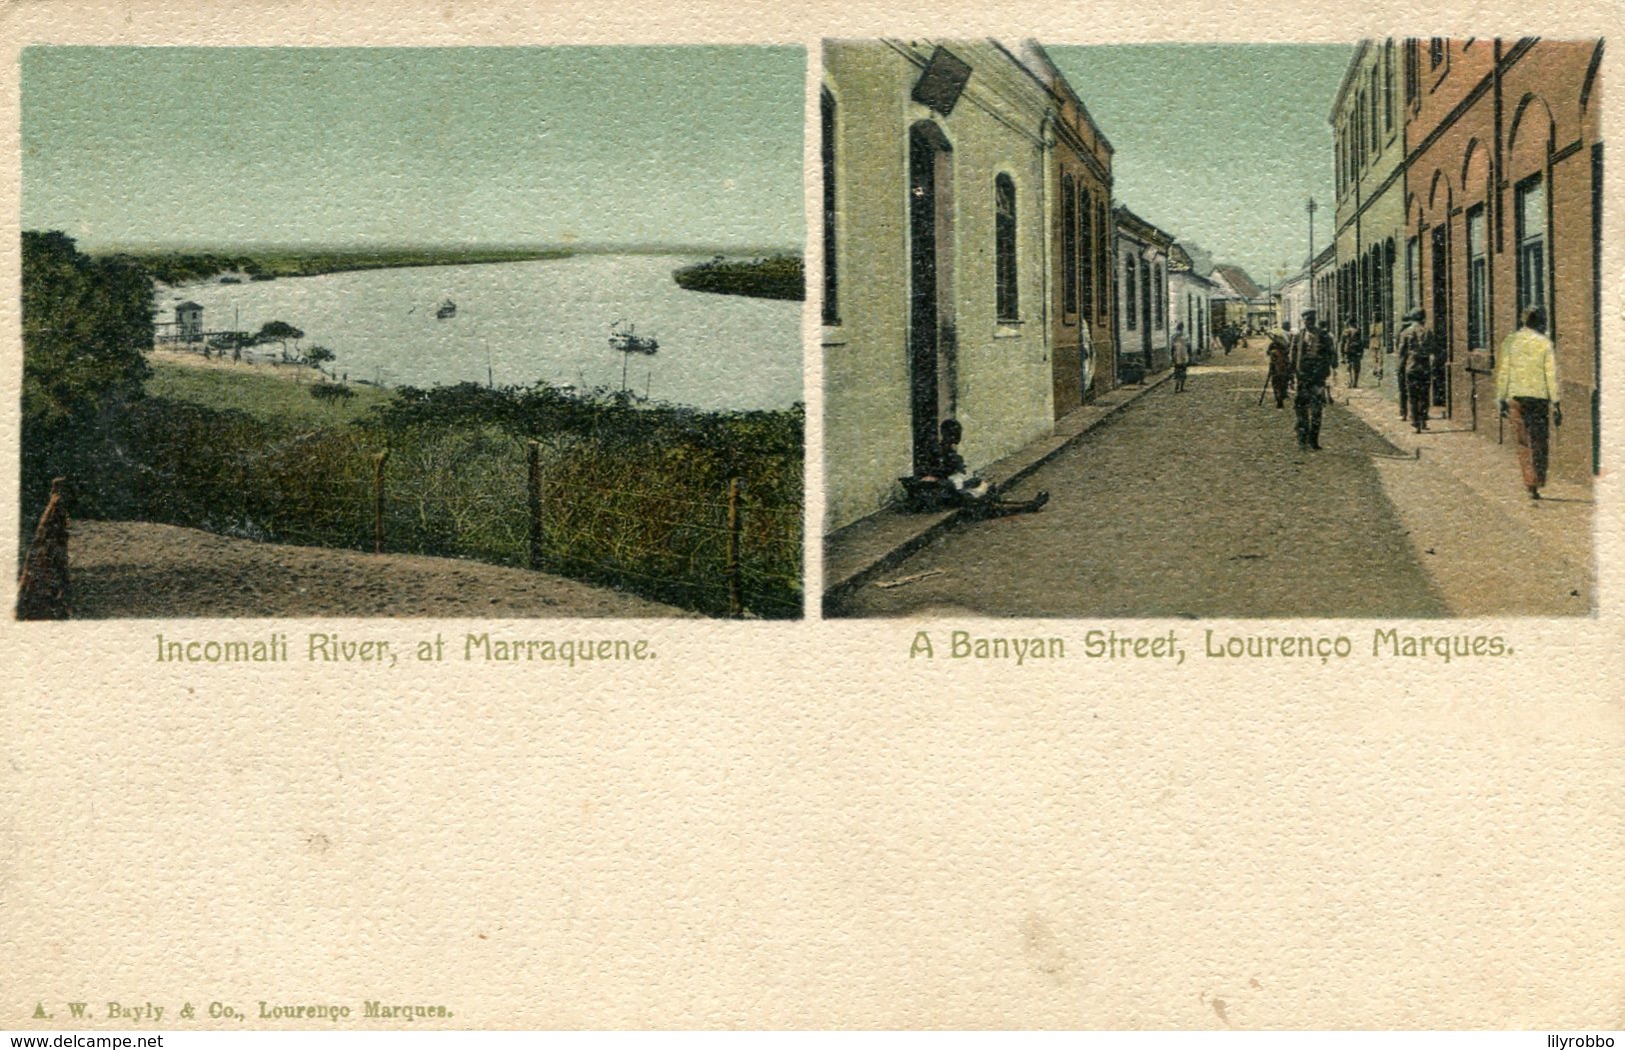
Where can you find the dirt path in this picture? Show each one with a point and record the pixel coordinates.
(140, 570)
(1197, 504)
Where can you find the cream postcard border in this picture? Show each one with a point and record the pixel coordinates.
(793, 824)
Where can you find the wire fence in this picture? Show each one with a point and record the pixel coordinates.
(692, 534)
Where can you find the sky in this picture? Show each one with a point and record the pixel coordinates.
(393, 146)
(1222, 145)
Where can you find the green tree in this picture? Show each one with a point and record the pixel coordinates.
(86, 326)
(317, 356)
(280, 332)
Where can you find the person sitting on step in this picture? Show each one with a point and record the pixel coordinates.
(946, 467)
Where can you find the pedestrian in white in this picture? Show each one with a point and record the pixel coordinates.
(1527, 389)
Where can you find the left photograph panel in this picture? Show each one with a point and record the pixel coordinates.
(412, 332)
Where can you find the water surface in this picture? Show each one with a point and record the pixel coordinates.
(543, 320)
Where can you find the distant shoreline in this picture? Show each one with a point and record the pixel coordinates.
(174, 268)
(181, 268)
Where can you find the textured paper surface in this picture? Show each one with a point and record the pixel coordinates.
(792, 825)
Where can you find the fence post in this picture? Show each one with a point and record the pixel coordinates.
(533, 493)
(42, 588)
(736, 607)
(378, 460)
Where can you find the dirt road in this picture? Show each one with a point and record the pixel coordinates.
(141, 570)
(1194, 504)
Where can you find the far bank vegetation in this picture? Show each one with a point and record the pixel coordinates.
(769, 277)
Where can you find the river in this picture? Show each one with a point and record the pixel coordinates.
(542, 320)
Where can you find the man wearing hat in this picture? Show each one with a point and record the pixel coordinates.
(1313, 361)
(1415, 368)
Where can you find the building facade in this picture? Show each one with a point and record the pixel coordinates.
(936, 242)
(1191, 296)
(189, 322)
(1142, 281)
(1504, 212)
(1238, 300)
(1323, 283)
(1295, 298)
(1369, 150)
(1079, 193)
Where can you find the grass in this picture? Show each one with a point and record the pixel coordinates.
(275, 398)
(634, 494)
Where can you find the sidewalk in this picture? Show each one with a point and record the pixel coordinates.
(1490, 549)
(855, 553)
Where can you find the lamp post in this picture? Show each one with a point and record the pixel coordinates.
(1311, 267)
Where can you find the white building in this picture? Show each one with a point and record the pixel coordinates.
(1142, 292)
(1190, 297)
(1296, 297)
(935, 292)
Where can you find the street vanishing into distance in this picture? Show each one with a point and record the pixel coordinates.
(1201, 504)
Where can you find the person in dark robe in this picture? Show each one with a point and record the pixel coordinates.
(946, 467)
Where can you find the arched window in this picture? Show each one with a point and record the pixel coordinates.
(1105, 242)
(1388, 85)
(832, 301)
(1478, 279)
(1131, 313)
(1086, 250)
(1531, 232)
(1069, 246)
(1004, 248)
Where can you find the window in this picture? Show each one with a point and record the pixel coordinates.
(832, 301)
(1359, 132)
(1388, 85)
(1413, 274)
(1086, 248)
(1376, 130)
(1159, 292)
(1105, 267)
(1004, 248)
(1147, 306)
(1413, 73)
(1131, 313)
(1069, 246)
(1531, 196)
(1435, 52)
(1478, 281)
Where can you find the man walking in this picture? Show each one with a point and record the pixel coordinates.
(1416, 368)
(1313, 362)
(1181, 349)
(1280, 358)
(1526, 386)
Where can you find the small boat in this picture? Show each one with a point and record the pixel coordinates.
(231, 280)
(447, 309)
(627, 340)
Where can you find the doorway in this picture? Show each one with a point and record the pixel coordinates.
(1441, 319)
(931, 335)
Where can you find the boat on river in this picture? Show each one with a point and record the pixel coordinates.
(447, 309)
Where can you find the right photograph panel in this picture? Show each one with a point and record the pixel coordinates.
(1216, 331)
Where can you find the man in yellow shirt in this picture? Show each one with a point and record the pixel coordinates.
(1526, 386)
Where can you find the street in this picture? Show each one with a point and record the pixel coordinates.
(1200, 504)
